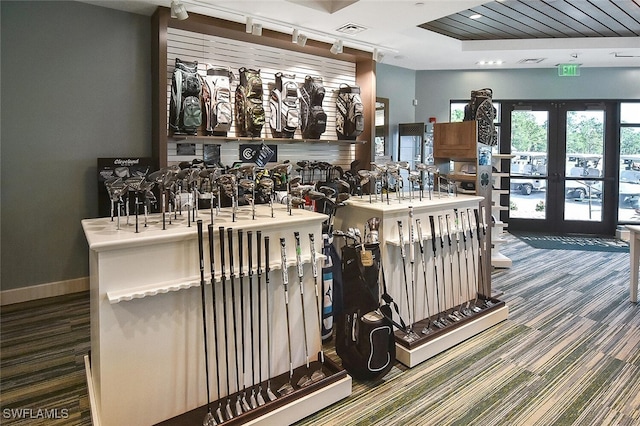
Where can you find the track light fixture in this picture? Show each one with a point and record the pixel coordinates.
(298, 38)
(302, 40)
(336, 48)
(377, 55)
(251, 28)
(178, 10)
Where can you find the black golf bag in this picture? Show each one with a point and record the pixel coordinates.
(364, 332)
(216, 96)
(350, 112)
(481, 109)
(284, 106)
(313, 119)
(249, 108)
(185, 115)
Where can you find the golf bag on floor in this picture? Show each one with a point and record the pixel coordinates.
(313, 119)
(350, 112)
(331, 287)
(185, 115)
(249, 108)
(364, 332)
(481, 109)
(216, 96)
(284, 106)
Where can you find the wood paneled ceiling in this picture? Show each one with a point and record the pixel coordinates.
(531, 19)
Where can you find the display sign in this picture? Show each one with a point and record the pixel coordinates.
(568, 70)
(121, 167)
(259, 154)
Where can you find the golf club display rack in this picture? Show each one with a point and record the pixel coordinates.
(148, 295)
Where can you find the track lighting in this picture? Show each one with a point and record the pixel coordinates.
(298, 38)
(377, 55)
(178, 10)
(336, 47)
(251, 28)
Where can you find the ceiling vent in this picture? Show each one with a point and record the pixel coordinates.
(531, 61)
(351, 29)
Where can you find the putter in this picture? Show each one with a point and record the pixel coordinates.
(442, 230)
(427, 329)
(215, 318)
(474, 283)
(466, 309)
(287, 388)
(318, 374)
(459, 250)
(267, 272)
(245, 404)
(454, 313)
(232, 275)
(304, 380)
(208, 419)
(412, 260)
(487, 289)
(259, 397)
(410, 335)
(223, 278)
(439, 322)
(252, 398)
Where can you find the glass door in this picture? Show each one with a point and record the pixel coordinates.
(559, 177)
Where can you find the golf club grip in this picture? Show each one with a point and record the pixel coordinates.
(283, 262)
(201, 251)
(240, 256)
(312, 246)
(448, 222)
(401, 238)
(250, 249)
(464, 232)
(420, 242)
(222, 265)
(230, 236)
(259, 250)
(477, 215)
(433, 233)
(266, 257)
(441, 229)
(296, 235)
(469, 223)
(211, 252)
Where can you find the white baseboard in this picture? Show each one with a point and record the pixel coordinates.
(41, 291)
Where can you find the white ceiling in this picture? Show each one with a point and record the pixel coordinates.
(392, 28)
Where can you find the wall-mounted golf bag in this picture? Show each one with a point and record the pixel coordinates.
(185, 113)
(481, 109)
(249, 108)
(284, 106)
(364, 332)
(349, 112)
(216, 97)
(313, 119)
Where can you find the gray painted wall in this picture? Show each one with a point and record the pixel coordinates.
(76, 86)
(434, 89)
(399, 86)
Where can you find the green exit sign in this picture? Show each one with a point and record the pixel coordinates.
(568, 70)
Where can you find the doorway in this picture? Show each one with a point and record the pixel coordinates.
(563, 166)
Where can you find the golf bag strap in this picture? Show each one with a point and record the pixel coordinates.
(386, 297)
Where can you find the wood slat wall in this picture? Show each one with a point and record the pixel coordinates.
(225, 52)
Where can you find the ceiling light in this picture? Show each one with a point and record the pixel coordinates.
(302, 40)
(476, 16)
(256, 29)
(248, 28)
(178, 10)
(294, 36)
(377, 55)
(336, 47)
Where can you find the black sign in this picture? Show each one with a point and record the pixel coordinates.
(259, 154)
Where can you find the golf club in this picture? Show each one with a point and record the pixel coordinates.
(267, 273)
(410, 336)
(475, 269)
(252, 399)
(304, 380)
(259, 397)
(232, 275)
(442, 229)
(215, 317)
(223, 278)
(245, 404)
(286, 388)
(318, 374)
(427, 329)
(439, 322)
(454, 313)
(412, 261)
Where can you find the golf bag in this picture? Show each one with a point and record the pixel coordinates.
(284, 106)
(185, 114)
(249, 108)
(216, 96)
(350, 112)
(331, 286)
(481, 109)
(364, 332)
(313, 119)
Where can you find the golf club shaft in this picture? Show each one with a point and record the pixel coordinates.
(204, 310)
(232, 275)
(285, 283)
(435, 263)
(214, 307)
(404, 272)
(314, 267)
(424, 268)
(223, 278)
(300, 268)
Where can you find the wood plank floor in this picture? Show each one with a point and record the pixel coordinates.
(569, 354)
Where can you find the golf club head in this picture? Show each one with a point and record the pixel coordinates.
(421, 167)
(316, 195)
(327, 191)
(341, 198)
(318, 375)
(209, 420)
(295, 181)
(259, 397)
(285, 389)
(270, 395)
(304, 381)
(343, 186)
(246, 184)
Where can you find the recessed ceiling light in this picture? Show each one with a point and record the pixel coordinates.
(476, 16)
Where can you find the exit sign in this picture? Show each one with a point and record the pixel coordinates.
(568, 70)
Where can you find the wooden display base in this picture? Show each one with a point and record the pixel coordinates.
(439, 340)
(286, 409)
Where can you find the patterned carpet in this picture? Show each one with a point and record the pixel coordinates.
(569, 354)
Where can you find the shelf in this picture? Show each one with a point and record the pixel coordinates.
(503, 156)
(211, 139)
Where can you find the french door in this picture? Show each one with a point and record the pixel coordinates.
(563, 168)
